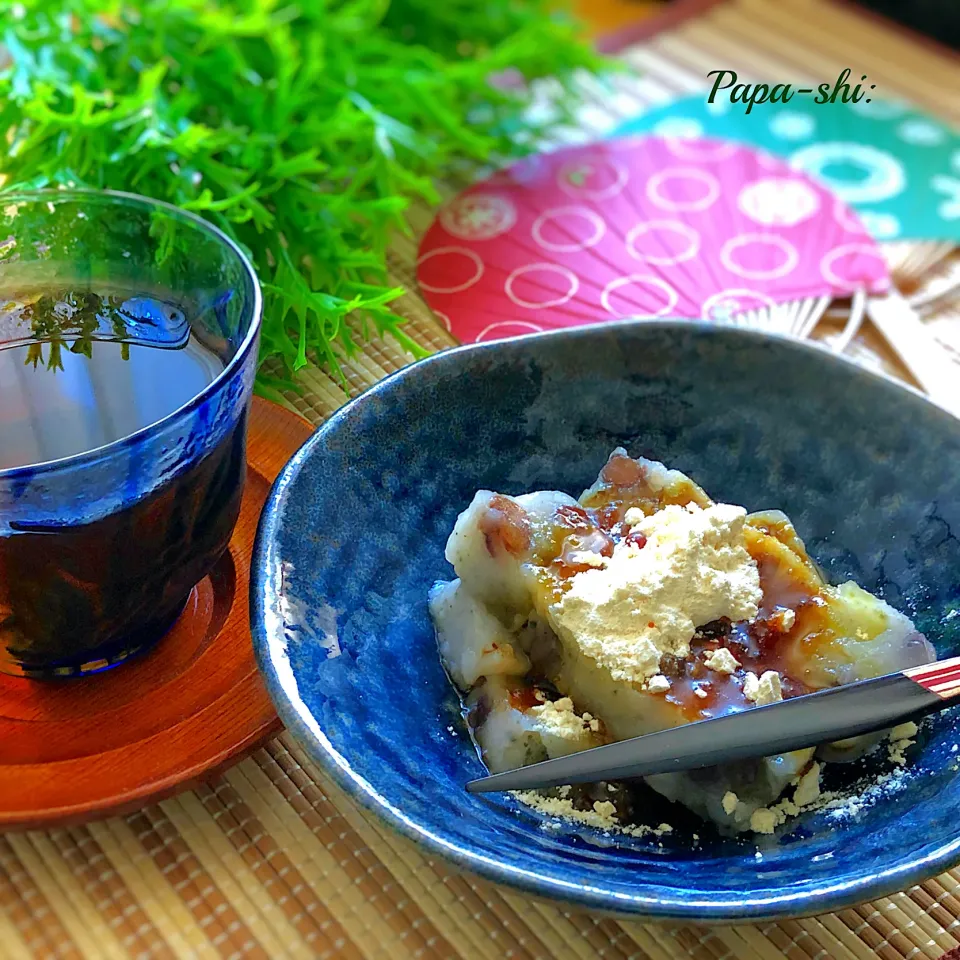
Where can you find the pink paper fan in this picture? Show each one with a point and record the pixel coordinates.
(640, 227)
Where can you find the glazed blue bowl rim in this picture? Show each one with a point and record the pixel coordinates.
(225, 375)
(269, 649)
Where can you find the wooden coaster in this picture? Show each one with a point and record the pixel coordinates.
(83, 748)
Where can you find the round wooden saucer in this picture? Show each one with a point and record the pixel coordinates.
(84, 748)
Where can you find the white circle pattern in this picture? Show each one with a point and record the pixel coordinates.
(792, 258)
(670, 226)
(921, 133)
(478, 216)
(885, 176)
(595, 220)
(642, 280)
(791, 125)
(578, 192)
(831, 276)
(656, 182)
(778, 201)
(456, 288)
(554, 301)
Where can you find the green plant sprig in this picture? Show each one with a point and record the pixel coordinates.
(302, 129)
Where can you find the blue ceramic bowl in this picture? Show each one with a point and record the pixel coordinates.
(353, 536)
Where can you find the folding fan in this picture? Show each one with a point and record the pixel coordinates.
(898, 168)
(640, 227)
(646, 227)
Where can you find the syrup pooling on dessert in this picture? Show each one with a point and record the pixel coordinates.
(643, 605)
(574, 539)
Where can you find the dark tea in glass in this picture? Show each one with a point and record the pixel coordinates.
(126, 371)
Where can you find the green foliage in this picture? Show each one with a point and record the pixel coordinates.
(303, 129)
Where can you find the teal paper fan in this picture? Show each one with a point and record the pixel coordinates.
(898, 168)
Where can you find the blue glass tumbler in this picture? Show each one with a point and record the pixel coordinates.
(99, 550)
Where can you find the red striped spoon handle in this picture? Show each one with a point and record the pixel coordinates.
(941, 678)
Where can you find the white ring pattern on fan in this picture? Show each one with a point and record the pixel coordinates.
(829, 260)
(640, 279)
(885, 176)
(595, 220)
(672, 226)
(553, 301)
(768, 273)
(735, 297)
(444, 319)
(478, 216)
(578, 192)
(775, 201)
(792, 125)
(656, 182)
(441, 251)
(921, 133)
(503, 324)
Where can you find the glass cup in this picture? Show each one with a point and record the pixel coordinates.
(99, 550)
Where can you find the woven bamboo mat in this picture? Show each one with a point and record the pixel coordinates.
(271, 860)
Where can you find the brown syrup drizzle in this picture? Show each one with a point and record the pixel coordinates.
(788, 580)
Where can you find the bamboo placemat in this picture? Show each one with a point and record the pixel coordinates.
(271, 860)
